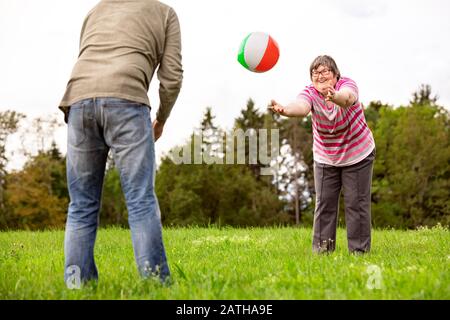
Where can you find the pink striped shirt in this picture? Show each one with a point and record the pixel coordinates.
(341, 135)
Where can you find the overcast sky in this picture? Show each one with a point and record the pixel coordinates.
(388, 47)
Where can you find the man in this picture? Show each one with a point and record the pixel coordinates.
(106, 106)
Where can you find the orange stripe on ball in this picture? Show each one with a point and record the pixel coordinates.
(270, 57)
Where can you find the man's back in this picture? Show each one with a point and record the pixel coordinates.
(121, 45)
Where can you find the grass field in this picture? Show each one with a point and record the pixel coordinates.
(213, 263)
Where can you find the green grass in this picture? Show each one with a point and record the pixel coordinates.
(212, 263)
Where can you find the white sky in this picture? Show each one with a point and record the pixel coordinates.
(388, 47)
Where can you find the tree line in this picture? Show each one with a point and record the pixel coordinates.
(411, 177)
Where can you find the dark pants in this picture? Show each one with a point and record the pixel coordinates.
(356, 181)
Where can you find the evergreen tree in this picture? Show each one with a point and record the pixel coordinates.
(212, 138)
(250, 121)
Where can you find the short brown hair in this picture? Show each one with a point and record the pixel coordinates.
(325, 61)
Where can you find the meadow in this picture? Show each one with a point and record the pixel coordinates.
(231, 263)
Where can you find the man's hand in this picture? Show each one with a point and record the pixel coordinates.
(158, 128)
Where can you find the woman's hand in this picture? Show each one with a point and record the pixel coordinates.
(323, 87)
(294, 109)
(330, 93)
(278, 108)
(342, 98)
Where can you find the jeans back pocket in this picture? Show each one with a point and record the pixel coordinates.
(76, 133)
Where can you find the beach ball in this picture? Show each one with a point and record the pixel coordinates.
(258, 52)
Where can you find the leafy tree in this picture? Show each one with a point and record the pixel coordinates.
(36, 196)
(422, 97)
(411, 172)
(411, 178)
(214, 194)
(205, 194)
(9, 121)
(372, 113)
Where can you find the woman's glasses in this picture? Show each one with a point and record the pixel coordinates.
(324, 73)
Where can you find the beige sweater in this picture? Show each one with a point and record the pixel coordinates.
(122, 43)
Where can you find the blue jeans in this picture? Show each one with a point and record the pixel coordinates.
(94, 127)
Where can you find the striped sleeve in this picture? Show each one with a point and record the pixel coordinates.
(305, 96)
(350, 85)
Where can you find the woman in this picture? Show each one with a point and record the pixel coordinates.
(344, 151)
